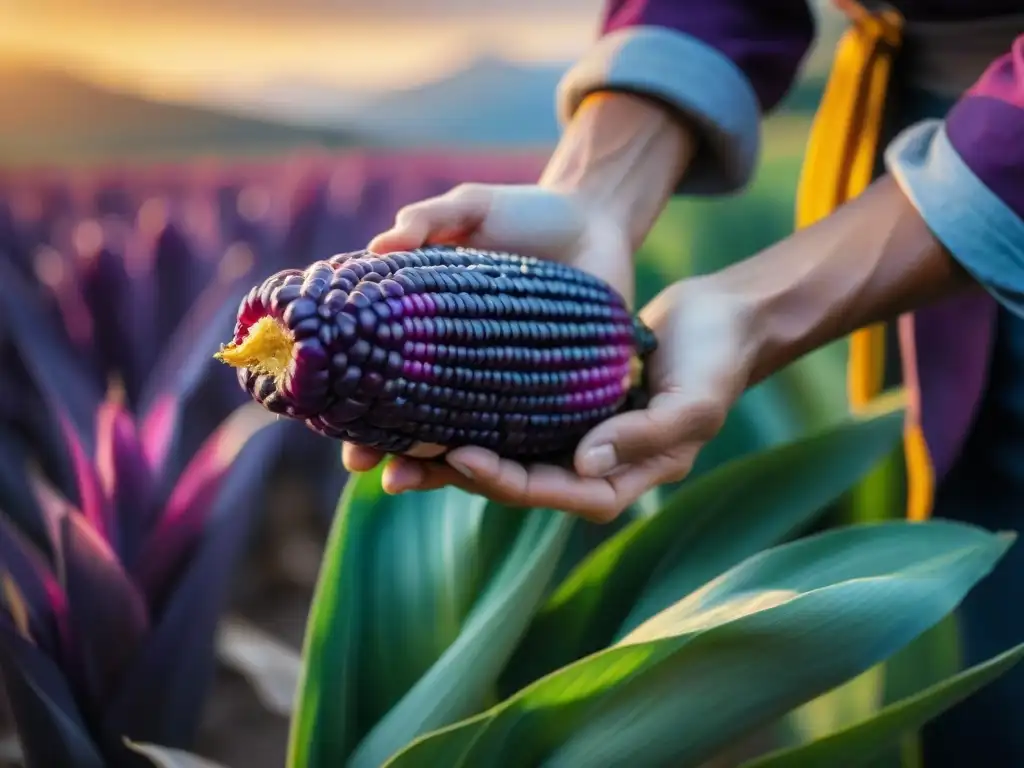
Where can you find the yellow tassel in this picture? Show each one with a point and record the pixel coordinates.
(839, 165)
(920, 474)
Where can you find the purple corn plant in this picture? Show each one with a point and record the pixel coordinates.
(115, 545)
(107, 625)
(140, 270)
(112, 588)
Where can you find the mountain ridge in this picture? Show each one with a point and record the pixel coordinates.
(59, 117)
(489, 101)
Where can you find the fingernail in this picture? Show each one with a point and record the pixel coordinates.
(599, 461)
(461, 468)
(402, 477)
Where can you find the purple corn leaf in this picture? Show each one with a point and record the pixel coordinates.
(15, 489)
(191, 502)
(41, 595)
(126, 478)
(178, 659)
(18, 237)
(25, 424)
(54, 369)
(53, 508)
(107, 615)
(106, 290)
(138, 669)
(308, 211)
(92, 502)
(139, 314)
(179, 274)
(187, 357)
(49, 724)
(157, 431)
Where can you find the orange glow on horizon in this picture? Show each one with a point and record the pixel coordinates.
(196, 54)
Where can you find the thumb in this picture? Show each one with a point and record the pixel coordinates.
(448, 218)
(671, 419)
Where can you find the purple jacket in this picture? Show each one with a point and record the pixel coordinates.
(728, 62)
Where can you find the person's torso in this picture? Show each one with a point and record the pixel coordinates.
(955, 10)
(987, 483)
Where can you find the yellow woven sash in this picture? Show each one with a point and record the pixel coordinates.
(839, 164)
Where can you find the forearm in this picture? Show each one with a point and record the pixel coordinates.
(872, 260)
(622, 155)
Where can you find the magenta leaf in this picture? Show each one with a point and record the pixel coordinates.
(157, 431)
(49, 724)
(126, 478)
(92, 502)
(107, 615)
(178, 659)
(198, 488)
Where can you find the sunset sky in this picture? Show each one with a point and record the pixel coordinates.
(186, 46)
(182, 49)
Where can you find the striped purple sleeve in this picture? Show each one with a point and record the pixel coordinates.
(986, 128)
(722, 63)
(767, 39)
(965, 175)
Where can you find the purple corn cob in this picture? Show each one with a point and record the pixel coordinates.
(416, 352)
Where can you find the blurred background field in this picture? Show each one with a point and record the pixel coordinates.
(276, 133)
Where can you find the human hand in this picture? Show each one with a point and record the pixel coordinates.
(704, 362)
(531, 220)
(527, 219)
(616, 165)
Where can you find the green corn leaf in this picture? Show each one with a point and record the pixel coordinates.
(423, 570)
(164, 757)
(777, 502)
(587, 536)
(323, 727)
(455, 685)
(861, 743)
(399, 577)
(709, 525)
(848, 703)
(928, 660)
(777, 630)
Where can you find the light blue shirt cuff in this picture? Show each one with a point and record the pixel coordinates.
(980, 231)
(690, 76)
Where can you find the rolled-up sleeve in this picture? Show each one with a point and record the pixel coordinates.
(965, 175)
(723, 64)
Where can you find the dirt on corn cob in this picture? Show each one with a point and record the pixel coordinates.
(417, 352)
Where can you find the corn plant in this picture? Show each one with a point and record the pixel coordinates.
(112, 585)
(707, 633)
(138, 271)
(107, 624)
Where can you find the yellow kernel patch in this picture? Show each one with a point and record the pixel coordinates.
(266, 349)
